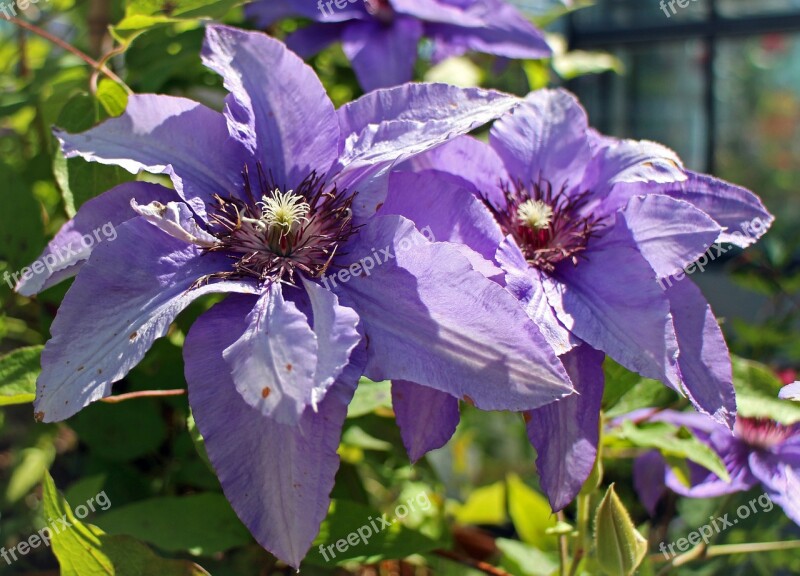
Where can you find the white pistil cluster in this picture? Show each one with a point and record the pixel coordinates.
(282, 210)
(535, 214)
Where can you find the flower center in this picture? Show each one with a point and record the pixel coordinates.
(763, 433)
(381, 10)
(547, 225)
(284, 233)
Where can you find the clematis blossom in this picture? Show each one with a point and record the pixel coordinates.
(272, 197)
(591, 235)
(380, 37)
(759, 452)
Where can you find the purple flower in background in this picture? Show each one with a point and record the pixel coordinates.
(380, 37)
(759, 451)
(274, 198)
(791, 392)
(587, 232)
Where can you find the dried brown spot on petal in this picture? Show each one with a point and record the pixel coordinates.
(266, 392)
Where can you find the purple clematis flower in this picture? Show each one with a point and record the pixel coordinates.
(275, 201)
(591, 235)
(380, 37)
(759, 451)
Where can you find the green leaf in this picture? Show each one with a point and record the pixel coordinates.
(18, 372)
(519, 558)
(78, 179)
(121, 432)
(619, 546)
(21, 224)
(357, 437)
(757, 389)
(671, 441)
(361, 536)
(485, 505)
(143, 15)
(531, 514)
(85, 550)
(31, 465)
(369, 397)
(619, 381)
(112, 97)
(208, 523)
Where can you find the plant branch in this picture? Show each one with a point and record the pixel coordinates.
(144, 394)
(472, 563)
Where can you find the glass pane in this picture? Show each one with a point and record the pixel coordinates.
(758, 118)
(660, 97)
(734, 8)
(635, 13)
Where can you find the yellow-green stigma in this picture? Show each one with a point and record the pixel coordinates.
(285, 210)
(535, 214)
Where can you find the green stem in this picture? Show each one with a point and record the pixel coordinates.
(729, 549)
(582, 544)
(563, 550)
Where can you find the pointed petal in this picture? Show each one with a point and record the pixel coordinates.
(446, 209)
(781, 478)
(565, 433)
(623, 313)
(527, 285)
(427, 418)
(176, 219)
(430, 318)
(545, 137)
(389, 126)
(648, 480)
(704, 360)
(97, 220)
(336, 328)
(125, 297)
(167, 135)
(311, 40)
(382, 56)
(469, 159)
(272, 364)
(670, 234)
(277, 106)
(277, 478)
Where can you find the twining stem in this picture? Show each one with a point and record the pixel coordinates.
(472, 563)
(99, 66)
(582, 544)
(144, 394)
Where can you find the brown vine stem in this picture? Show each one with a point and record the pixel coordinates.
(472, 563)
(98, 66)
(144, 394)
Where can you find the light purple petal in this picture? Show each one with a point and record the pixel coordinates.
(545, 138)
(503, 31)
(176, 219)
(336, 329)
(277, 478)
(527, 285)
(125, 297)
(267, 12)
(565, 433)
(167, 135)
(469, 159)
(447, 208)
(739, 211)
(791, 392)
(611, 300)
(97, 220)
(670, 234)
(312, 39)
(277, 106)
(382, 56)
(389, 126)
(272, 363)
(781, 477)
(704, 359)
(648, 480)
(427, 417)
(431, 319)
